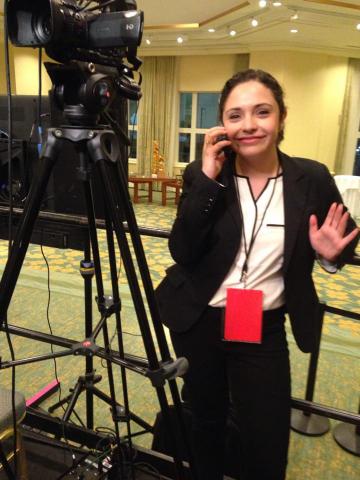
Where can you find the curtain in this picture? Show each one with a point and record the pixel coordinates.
(349, 125)
(156, 111)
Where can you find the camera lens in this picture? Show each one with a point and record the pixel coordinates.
(42, 27)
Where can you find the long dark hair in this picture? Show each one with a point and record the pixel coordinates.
(260, 76)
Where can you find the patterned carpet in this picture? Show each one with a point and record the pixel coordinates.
(338, 373)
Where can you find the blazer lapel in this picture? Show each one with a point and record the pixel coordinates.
(232, 201)
(295, 185)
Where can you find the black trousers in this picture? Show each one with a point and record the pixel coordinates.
(255, 378)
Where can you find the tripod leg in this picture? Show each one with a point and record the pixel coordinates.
(25, 228)
(101, 300)
(60, 403)
(154, 311)
(79, 387)
(116, 297)
(87, 274)
(89, 364)
(117, 196)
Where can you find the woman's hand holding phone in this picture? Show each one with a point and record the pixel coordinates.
(213, 151)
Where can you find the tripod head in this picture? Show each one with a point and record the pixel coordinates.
(83, 93)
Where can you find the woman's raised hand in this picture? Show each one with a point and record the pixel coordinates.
(329, 240)
(213, 156)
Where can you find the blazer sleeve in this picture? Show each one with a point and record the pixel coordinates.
(331, 194)
(198, 203)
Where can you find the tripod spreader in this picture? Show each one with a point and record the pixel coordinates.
(87, 347)
(108, 305)
(168, 371)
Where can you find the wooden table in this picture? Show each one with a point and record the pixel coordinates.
(149, 181)
(142, 181)
(173, 183)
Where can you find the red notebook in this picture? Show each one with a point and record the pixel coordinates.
(243, 316)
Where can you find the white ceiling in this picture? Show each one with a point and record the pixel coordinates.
(323, 26)
(327, 26)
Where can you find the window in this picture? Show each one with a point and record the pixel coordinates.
(132, 128)
(198, 112)
(356, 170)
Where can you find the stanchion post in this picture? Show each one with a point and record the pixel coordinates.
(348, 436)
(309, 423)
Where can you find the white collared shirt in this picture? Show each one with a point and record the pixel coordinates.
(267, 254)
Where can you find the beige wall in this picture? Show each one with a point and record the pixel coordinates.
(2, 68)
(26, 72)
(208, 73)
(24, 68)
(314, 86)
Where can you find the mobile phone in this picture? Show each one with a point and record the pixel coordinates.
(226, 150)
(220, 138)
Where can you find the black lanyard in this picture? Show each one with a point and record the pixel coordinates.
(254, 233)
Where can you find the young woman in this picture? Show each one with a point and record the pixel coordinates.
(250, 223)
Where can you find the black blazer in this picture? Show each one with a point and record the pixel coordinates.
(206, 235)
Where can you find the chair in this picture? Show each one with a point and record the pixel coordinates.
(349, 187)
(7, 432)
(174, 185)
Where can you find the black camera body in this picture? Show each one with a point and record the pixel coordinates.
(68, 31)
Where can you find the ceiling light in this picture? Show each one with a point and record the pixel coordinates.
(276, 4)
(211, 30)
(254, 22)
(262, 3)
(180, 40)
(295, 16)
(294, 30)
(358, 26)
(232, 32)
(148, 41)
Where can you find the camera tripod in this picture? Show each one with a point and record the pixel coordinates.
(98, 152)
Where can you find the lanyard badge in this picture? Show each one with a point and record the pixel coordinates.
(243, 316)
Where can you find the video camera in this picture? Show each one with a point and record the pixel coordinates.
(95, 43)
(96, 31)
